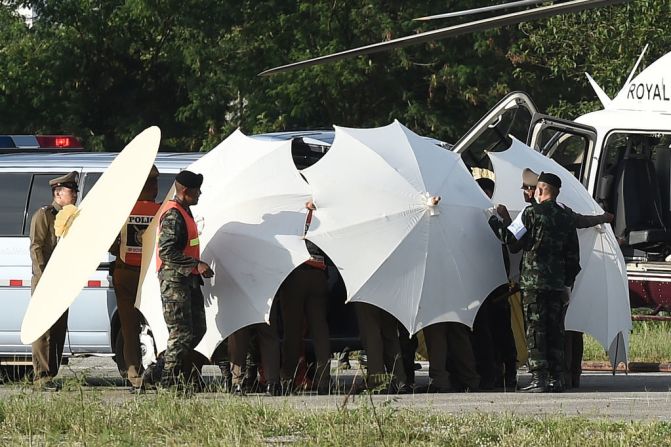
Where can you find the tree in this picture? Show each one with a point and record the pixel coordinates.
(555, 55)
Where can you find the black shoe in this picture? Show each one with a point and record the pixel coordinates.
(487, 384)
(430, 389)
(575, 381)
(555, 386)
(49, 386)
(152, 375)
(404, 389)
(274, 389)
(137, 390)
(536, 386)
(237, 390)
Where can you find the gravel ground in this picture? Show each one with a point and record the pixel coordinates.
(639, 396)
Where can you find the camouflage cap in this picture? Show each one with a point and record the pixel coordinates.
(529, 178)
(68, 181)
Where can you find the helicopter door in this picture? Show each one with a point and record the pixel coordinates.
(568, 143)
(510, 116)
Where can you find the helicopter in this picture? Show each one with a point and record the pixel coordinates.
(621, 154)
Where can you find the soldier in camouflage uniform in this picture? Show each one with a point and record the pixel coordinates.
(180, 271)
(550, 261)
(573, 345)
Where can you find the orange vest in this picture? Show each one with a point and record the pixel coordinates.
(130, 250)
(192, 247)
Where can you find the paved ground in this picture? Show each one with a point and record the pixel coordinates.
(640, 396)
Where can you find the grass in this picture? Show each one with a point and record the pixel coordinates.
(165, 419)
(650, 341)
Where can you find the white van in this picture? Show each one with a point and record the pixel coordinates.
(93, 324)
(27, 163)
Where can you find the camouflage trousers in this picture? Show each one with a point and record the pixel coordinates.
(544, 312)
(184, 314)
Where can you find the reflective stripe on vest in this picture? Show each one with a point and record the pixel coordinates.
(192, 247)
(130, 250)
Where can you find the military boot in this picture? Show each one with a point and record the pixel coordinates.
(539, 384)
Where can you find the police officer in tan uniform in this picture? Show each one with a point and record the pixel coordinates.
(128, 250)
(48, 349)
(269, 346)
(303, 297)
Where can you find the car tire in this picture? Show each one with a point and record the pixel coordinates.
(147, 347)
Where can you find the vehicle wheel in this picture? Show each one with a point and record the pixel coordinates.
(147, 347)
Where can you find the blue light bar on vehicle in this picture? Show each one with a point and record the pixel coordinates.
(28, 143)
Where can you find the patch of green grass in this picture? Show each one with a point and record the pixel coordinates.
(650, 341)
(166, 419)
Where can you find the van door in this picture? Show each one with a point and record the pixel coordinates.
(568, 143)
(15, 267)
(89, 322)
(511, 117)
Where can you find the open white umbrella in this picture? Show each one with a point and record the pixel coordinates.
(100, 216)
(600, 298)
(252, 217)
(423, 264)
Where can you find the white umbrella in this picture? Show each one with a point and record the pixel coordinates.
(600, 298)
(252, 217)
(422, 264)
(100, 216)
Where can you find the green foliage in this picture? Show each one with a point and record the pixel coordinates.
(106, 69)
(650, 341)
(556, 53)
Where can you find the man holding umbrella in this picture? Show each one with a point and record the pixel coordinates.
(180, 272)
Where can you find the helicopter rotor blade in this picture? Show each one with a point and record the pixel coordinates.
(442, 33)
(484, 9)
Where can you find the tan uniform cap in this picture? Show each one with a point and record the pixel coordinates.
(529, 178)
(68, 180)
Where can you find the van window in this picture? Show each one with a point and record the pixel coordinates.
(90, 179)
(40, 195)
(14, 189)
(165, 182)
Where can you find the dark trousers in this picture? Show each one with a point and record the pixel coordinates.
(48, 350)
(493, 340)
(125, 289)
(408, 350)
(303, 299)
(269, 345)
(378, 330)
(184, 314)
(573, 350)
(544, 317)
(451, 359)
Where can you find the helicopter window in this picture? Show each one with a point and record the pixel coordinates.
(567, 149)
(634, 183)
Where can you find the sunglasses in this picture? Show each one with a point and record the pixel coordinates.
(528, 187)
